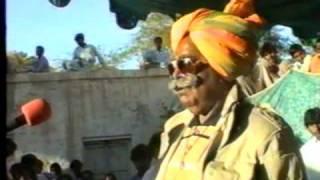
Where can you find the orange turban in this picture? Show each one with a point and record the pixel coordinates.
(225, 39)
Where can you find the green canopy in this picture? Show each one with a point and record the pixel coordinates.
(303, 16)
(291, 97)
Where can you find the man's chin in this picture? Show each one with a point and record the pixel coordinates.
(194, 110)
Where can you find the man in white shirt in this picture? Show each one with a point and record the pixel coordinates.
(299, 59)
(310, 150)
(85, 55)
(156, 57)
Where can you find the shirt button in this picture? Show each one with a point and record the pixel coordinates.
(182, 164)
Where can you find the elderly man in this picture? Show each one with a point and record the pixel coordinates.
(220, 135)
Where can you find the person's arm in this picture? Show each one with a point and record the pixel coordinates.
(280, 157)
(99, 56)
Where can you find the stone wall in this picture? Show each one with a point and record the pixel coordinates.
(89, 105)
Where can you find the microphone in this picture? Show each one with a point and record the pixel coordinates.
(33, 113)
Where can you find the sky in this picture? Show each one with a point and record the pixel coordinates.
(37, 22)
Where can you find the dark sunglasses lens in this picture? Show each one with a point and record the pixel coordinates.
(181, 65)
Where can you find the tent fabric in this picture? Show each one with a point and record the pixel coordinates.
(291, 97)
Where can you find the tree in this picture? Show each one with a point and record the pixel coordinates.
(18, 62)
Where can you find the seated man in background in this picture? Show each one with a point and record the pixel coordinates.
(41, 63)
(269, 59)
(310, 150)
(84, 56)
(264, 73)
(156, 57)
(299, 60)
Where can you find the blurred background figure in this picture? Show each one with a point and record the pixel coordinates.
(141, 159)
(110, 176)
(316, 46)
(155, 57)
(154, 146)
(31, 165)
(56, 170)
(87, 175)
(75, 169)
(65, 177)
(11, 148)
(41, 63)
(18, 172)
(269, 60)
(299, 60)
(310, 150)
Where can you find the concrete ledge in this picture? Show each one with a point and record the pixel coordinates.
(101, 74)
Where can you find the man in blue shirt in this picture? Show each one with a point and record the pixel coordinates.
(41, 64)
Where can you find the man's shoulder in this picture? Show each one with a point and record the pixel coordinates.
(180, 118)
(264, 122)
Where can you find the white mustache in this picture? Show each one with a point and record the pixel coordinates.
(182, 83)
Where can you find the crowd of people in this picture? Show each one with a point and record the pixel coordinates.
(84, 57)
(31, 167)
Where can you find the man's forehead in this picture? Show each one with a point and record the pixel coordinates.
(187, 48)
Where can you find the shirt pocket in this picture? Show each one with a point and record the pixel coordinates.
(216, 170)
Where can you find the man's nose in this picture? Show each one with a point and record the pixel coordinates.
(177, 73)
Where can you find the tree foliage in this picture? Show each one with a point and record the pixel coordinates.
(18, 61)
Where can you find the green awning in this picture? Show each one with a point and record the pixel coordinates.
(301, 15)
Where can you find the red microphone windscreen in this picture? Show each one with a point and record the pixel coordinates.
(36, 111)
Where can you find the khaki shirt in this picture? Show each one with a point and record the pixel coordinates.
(245, 143)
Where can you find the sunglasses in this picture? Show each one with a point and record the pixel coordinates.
(185, 65)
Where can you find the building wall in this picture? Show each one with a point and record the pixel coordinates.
(88, 106)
